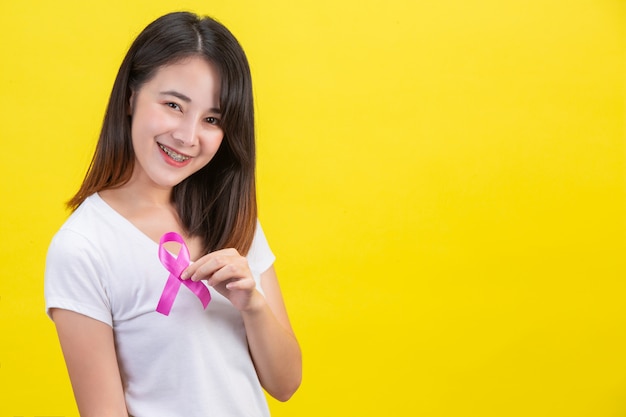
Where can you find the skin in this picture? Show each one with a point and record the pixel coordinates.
(179, 109)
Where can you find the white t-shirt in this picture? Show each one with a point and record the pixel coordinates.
(194, 362)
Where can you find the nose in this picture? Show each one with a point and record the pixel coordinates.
(186, 133)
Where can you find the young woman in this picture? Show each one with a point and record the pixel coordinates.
(176, 154)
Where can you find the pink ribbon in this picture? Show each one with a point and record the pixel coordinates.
(176, 266)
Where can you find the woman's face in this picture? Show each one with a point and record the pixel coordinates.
(175, 124)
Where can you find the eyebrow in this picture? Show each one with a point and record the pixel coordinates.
(184, 98)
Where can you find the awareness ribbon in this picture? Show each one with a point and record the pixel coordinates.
(176, 266)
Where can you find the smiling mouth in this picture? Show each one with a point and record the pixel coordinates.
(174, 155)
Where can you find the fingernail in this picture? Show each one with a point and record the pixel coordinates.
(184, 275)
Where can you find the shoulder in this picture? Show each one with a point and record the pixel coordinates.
(260, 256)
(75, 252)
(82, 233)
(74, 269)
(83, 217)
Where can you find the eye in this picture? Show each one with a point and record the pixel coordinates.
(213, 120)
(173, 105)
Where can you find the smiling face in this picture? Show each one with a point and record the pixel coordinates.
(175, 125)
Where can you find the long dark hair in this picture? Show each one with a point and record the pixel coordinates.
(217, 203)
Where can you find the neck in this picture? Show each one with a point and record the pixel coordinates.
(134, 193)
(145, 191)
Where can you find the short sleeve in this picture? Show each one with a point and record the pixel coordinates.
(73, 277)
(260, 256)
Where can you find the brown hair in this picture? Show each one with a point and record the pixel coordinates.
(218, 202)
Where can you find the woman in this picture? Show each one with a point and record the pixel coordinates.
(176, 154)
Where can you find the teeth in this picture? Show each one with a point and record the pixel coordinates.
(175, 156)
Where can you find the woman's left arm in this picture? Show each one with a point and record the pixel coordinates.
(271, 340)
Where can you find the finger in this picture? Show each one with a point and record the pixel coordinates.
(217, 255)
(235, 270)
(224, 265)
(241, 284)
(192, 269)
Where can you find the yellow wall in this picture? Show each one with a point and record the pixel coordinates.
(444, 183)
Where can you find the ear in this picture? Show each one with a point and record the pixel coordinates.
(131, 102)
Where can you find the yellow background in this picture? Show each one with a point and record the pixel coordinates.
(444, 183)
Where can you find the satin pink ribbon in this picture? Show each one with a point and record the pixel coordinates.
(176, 266)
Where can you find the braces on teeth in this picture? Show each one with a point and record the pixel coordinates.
(175, 156)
